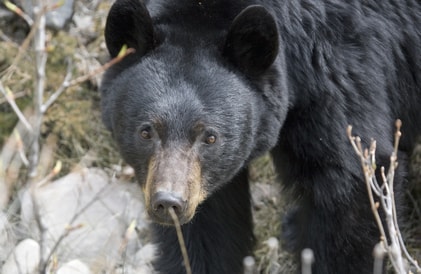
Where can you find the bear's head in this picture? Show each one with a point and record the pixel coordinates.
(194, 104)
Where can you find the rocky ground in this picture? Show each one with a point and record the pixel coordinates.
(87, 216)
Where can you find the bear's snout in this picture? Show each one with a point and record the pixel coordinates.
(162, 202)
(174, 181)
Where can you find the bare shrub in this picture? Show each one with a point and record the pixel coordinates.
(381, 195)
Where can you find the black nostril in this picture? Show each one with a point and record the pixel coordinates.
(162, 201)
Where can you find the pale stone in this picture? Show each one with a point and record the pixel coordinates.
(74, 267)
(89, 214)
(24, 259)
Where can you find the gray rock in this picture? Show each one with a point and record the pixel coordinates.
(6, 237)
(24, 259)
(74, 267)
(59, 18)
(55, 19)
(87, 214)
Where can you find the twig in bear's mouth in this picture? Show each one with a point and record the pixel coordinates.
(180, 240)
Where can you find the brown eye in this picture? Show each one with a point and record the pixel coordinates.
(210, 139)
(145, 134)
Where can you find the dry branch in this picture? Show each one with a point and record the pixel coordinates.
(8, 95)
(19, 12)
(392, 240)
(181, 240)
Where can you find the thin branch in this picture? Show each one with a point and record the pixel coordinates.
(67, 82)
(180, 240)
(19, 12)
(5, 38)
(38, 220)
(368, 176)
(64, 85)
(33, 24)
(40, 79)
(16, 95)
(8, 94)
(50, 175)
(385, 193)
(20, 147)
(22, 49)
(71, 227)
(127, 236)
(102, 68)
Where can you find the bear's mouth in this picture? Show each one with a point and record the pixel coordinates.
(168, 219)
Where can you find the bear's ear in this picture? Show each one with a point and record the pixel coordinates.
(129, 23)
(252, 41)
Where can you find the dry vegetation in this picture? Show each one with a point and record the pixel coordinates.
(71, 130)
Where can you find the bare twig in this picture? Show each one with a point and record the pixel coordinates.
(39, 11)
(19, 12)
(10, 162)
(5, 38)
(70, 227)
(128, 236)
(368, 165)
(67, 82)
(40, 62)
(392, 242)
(180, 240)
(61, 89)
(8, 94)
(37, 215)
(16, 95)
(38, 219)
(20, 147)
(123, 53)
(51, 175)
(8, 73)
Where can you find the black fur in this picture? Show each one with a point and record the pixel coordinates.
(332, 64)
(218, 237)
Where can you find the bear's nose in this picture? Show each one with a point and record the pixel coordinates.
(162, 201)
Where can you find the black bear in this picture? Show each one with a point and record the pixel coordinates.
(216, 83)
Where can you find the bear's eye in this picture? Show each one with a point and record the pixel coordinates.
(145, 133)
(210, 139)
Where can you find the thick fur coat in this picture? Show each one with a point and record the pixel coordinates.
(216, 83)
